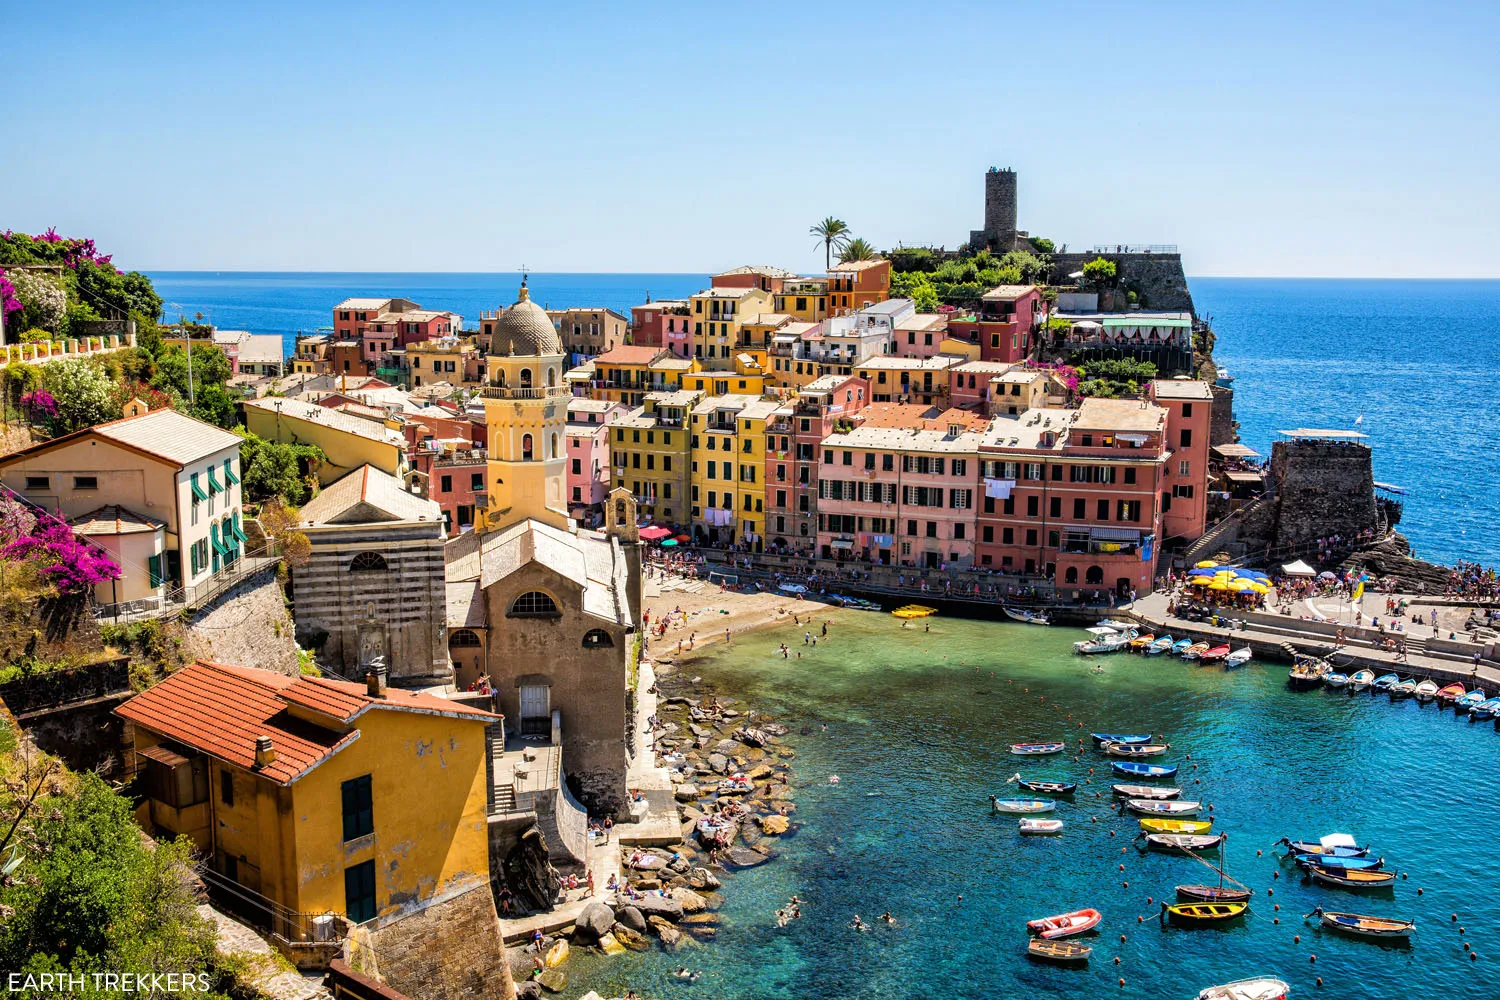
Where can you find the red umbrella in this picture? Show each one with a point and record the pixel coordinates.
(684, 538)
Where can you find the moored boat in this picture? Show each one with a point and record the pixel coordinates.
(1363, 925)
(1238, 658)
(1485, 710)
(1469, 701)
(1202, 913)
(1212, 894)
(1385, 682)
(1101, 738)
(1145, 792)
(1362, 880)
(1022, 806)
(1034, 827)
(1154, 825)
(1058, 951)
(1339, 845)
(1308, 673)
(1336, 681)
(1450, 694)
(1027, 616)
(1140, 769)
(1334, 862)
(1181, 646)
(1046, 787)
(1134, 749)
(1140, 642)
(1404, 689)
(1259, 988)
(1065, 924)
(1116, 624)
(1163, 807)
(1159, 646)
(1036, 749)
(1194, 651)
(1426, 690)
(1183, 842)
(1213, 654)
(1105, 640)
(1361, 679)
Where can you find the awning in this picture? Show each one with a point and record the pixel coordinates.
(654, 532)
(1245, 477)
(1115, 534)
(198, 493)
(1235, 451)
(162, 755)
(1298, 568)
(1135, 439)
(842, 543)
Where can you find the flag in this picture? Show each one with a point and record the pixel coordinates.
(1359, 589)
(1359, 420)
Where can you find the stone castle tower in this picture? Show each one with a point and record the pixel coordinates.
(999, 232)
(526, 414)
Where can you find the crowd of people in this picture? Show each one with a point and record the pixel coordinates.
(1473, 582)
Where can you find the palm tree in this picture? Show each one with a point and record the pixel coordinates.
(832, 233)
(857, 249)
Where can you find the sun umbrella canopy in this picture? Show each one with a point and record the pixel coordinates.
(655, 532)
(1325, 575)
(1206, 564)
(1218, 585)
(684, 538)
(669, 543)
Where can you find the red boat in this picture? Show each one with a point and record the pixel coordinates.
(1211, 655)
(1065, 924)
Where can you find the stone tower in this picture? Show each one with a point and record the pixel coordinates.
(999, 233)
(620, 523)
(526, 413)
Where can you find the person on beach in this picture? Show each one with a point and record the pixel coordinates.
(806, 638)
(825, 627)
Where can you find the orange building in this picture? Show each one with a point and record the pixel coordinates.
(856, 284)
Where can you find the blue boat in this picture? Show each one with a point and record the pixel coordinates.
(1136, 769)
(1338, 864)
(1384, 682)
(1485, 710)
(1180, 646)
(1131, 738)
(1470, 700)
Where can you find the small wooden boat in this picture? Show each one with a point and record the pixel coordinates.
(1026, 616)
(1181, 646)
(1159, 646)
(1308, 673)
(1102, 738)
(1339, 845)
(1137, 769)
(1336, 681)
(1426, 691)
(1212, 894)
(1404, 689)
(1485, 710)
(1259, 988)
(1163, 807)
(1469, 701)
(1036, 749)
(1022, 806)
(1338, 864)
(1363, 925)
(1361, 679)
(1105, 640)
(1213, 654)
(1045, 787)
(1177, 825)
(1145, 792)
(1065, 924)
(1194, 651)
(1385, 682)
(1058, 951)
(1450, 694)
(1140, 642)
(914, 611)
(856, 603)
(1183, 842)
(1134, 749)
(1365, 880)
(1116, 624)
(1202, 913)
(1034, 827)
(1238, 658)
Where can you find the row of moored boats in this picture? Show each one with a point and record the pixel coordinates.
(1310, 672)
(1111, 636)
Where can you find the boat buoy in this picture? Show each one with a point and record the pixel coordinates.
(1140, 919)
(1312, 958)
(1296, 939)
(1276, 874)
(1403, 876)
(1270, 892)
(1460, 930)
(1257, 853)
(1127, 885)
(1149, 900)
(1420, 891)
(1111, 833)
(1122, 937)
(1276, 920)
(1122, 867)
(1455, 916)
(1466, 946)
(1122, 980)
(1277, 907)
(1117, 959)
(1320, 980)
(1473, 956)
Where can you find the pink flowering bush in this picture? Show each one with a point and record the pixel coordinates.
(16, 519)
(1066, 374)
(70, 565)
(9, 301)
(39, 405)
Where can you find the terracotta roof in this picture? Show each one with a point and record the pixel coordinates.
(765, 270)
(856, 265)
(112, 519)
(1005, 293)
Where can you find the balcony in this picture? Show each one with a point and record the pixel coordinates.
(462, 456)
(536, 392)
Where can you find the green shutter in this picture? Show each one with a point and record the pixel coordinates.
(229, 476)
(238, 531)
(153, 566)
(198, 493)
(213, 482)
(193, 557)
(213, 537)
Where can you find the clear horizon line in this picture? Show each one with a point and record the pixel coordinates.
(1246, 277)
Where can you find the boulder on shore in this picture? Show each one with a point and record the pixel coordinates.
(773, 826)
(557, 954)
(632, 939)
(594, 922)
(659, 906)
(631, 918)
(690, 900)
(702, 878)
(686, 792)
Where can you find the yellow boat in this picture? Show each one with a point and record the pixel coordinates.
(1177, 825)
(1142, 641)
(914, 611)
(1202, 913)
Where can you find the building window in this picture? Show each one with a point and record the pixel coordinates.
(463, 639)
(359, 892)
(367, 562)
(1183, 468)
(446, 484)
(534, 604)
(85, 482)
(226, 788)
(1187, 437)
(38, 482)
(359, 810)
(526, 447)
(597, 638)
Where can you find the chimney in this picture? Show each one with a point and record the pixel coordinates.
(375, 681)
(265, 752)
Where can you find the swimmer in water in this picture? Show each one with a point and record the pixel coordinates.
(833, 779)
(886, 916)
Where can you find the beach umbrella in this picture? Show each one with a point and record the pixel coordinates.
(1218, 585)
(1247, 574)
(1240, 585)
(1201, 581)
(684, 538)
(1206, 564)
(1325, 575)
(1260, 588)
(669, 543)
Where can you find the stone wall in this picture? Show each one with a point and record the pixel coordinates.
(449, 950)
(248, 626)
(1157, 276)
(1222, 428)
(1323, 488)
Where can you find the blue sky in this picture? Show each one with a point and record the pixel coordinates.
(1264, 139)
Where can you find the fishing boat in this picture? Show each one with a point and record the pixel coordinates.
(1058, 951)
(1259, 988)
(1363, 925)
(1163, 807)
(1361, 679)
(1065, 924)
(1105, 640)
(1033, 827)
(1212, 894)
(1145, 792)
(1036, 749)
(1159, 646)
(1213, 654)
(1485, 710)
(1136, 769)
(1181, 646)
(1426, 691)
(1026, 616)
(1022, 806)
(1238, 658)
(1116, 624)
(1202, 913)
(1336, 681)
(1339, 845)
(1194, 651)
(1183, 843)
(1045, 787)
(1103, 738)
(914, 611)
(1404, 689)
(1469, 701)
(1385, 682)
(1177, 825)
(1140, 642)
(1356, 881)
(1134, 749)
(1308, 673)
(1335, 863)
(1449, 695)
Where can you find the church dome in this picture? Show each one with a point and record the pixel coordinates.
(525, 330)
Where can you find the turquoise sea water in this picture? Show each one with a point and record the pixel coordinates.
(1416, 359)
(919, 737)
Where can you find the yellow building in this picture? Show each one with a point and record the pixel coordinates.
(804, 298)
(649, 455)
(627, 373)
(728, 469)
(757, 331)
(313, 797)
(526, 416)
(445, 359)
(748, 377)
(718, 315)
(347, 441)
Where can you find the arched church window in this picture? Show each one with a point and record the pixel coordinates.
(367, 562)
(597, 638)
(526, 447)
(534, 604)
(463, 639)
(525, 378)
(551, 376)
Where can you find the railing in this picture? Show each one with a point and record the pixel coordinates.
(179, 598)
(1134, 248)
(47, 350)
(464, 456)
(536, 392)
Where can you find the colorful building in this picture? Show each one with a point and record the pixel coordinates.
(1184, 493)
(348, 441)
(728, 470)
(664, 323)
(803, 298)
(650, 455)
(444, 359)
(857, 284)
(587, 332)
(627, 373)
(718, 315)
(909, 380)
(588, 456)
(794, 436)
(761, 276)
(1007, 323)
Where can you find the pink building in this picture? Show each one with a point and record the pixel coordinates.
(1006, 325)
(919, 335)
(663, 323)
(794, 436)
(588, 455)
(1184, 491)
(969, 383)
(392, 330)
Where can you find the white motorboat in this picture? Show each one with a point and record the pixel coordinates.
(1026, 616)
(1259, 988)
(1040, 826)
(1238, 658)
(1106, 640)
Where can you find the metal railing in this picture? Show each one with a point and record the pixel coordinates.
(1134, 248)
(180, 598)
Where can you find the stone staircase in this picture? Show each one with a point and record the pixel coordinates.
(1226, 531)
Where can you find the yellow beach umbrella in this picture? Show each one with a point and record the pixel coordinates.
(1206, 564)
(1240, 584)
(1260, 588)
(1218, 585)
(1201, 581)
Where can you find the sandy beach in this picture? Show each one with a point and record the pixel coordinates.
(707, 610)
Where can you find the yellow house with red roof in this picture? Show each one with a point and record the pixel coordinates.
(320, 804)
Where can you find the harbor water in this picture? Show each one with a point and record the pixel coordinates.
(918, 726)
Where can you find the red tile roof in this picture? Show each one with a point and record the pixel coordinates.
(219, 710)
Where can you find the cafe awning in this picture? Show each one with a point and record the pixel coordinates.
(1115, 534)
(1233, 450)
(1245, 477)
(1298, 568)
(655, 532)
